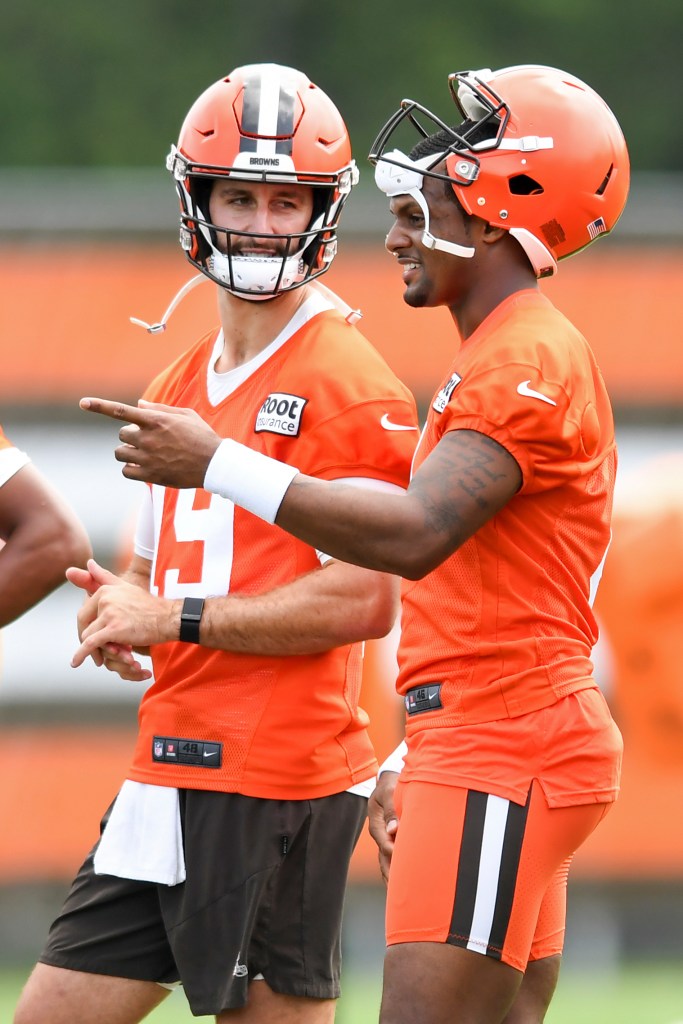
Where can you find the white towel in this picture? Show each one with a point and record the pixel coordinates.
(143, 838)
(365, 789)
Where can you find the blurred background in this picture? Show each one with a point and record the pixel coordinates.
(91, 97)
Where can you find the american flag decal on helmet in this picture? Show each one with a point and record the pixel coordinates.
(597, 227)
(268, 104)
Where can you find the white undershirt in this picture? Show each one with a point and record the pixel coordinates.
(220, 385)
(11, 461)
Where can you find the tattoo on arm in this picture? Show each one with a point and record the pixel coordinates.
(474, 469)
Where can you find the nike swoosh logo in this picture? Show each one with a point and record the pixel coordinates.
(389, 425)
(211, 753)
(524, 389)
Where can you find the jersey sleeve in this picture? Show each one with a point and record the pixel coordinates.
(144, 542)
(360, 421)
(548, 408)
(375, 440)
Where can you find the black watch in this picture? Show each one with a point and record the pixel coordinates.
(190, 617)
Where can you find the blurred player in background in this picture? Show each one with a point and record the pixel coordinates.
(512, 756)
(41, 537)
(224, 860)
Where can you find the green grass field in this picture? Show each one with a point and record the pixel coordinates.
(636, 995)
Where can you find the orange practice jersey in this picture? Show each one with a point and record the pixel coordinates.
(505, 624)
(289, 727)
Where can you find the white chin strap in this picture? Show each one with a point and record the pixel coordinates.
(397, 175)
(157, 328)
(429, 240)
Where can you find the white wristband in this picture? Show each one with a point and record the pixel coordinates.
(252, 480)
(395, 760)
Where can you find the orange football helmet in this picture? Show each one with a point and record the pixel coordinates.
(538, 153)
(262, 123)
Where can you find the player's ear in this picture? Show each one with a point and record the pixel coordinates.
(491, 234)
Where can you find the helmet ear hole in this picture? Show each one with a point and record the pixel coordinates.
(314, 246)
(524, 185)
(605, 182)
(200, 191)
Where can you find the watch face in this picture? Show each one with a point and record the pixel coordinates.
(190, 618)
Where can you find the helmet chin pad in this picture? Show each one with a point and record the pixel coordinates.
(256, 277)
(541, 259)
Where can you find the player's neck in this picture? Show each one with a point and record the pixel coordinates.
(248, 327)
(489, 292)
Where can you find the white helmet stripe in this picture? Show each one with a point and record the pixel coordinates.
(267, 112)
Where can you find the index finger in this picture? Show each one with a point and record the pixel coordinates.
(116, 410)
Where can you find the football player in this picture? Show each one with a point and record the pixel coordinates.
(40, 536)
(223, 862)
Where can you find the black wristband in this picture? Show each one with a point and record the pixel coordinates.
(190, 617)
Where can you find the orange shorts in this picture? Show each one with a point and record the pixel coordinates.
(478, 871)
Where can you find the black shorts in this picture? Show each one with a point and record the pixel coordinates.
(264, 894)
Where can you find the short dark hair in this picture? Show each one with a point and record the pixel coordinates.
(471, 132)
(448, 139)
